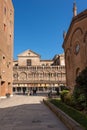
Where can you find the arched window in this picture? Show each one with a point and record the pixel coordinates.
(76, 47)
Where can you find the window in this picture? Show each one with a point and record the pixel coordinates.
(29, 53)
(4, 27)
(28, 62)
(16, 65)
(3, 57)
(10, 22)
(5, 10)
(76, 48)
(10, 37)
(11, 12)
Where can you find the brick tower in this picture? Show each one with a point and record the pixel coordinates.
(6, 46)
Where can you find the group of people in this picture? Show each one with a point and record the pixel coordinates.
(32, 92)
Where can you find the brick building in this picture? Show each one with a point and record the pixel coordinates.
(75, 46)
(6, 46)
(30, 72)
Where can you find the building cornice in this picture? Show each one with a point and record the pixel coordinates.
(75, 19)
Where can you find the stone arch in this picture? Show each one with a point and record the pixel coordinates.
(76, 32)
(23, 76)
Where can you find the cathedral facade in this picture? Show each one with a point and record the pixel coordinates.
(75, 46)
(6, 47)
(30, 72)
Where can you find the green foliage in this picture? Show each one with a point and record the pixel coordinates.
(73, 113)
(63, 94)
(63, 88)
(80, 90)
(81, 80)
(69, 100)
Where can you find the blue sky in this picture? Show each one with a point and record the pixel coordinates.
(39, 25)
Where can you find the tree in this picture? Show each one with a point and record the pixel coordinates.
(80, 90)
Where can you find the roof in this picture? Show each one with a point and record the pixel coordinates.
(28, 53)
(75, 19)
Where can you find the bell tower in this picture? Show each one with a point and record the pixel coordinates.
(74, 9)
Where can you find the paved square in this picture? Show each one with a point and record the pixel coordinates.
(27, 113)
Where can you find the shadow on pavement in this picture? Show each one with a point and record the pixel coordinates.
(27, 115)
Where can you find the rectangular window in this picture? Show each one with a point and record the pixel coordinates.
(5, 10)
(28, 62)
(4, 27)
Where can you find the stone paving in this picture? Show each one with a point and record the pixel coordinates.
(27, 113)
